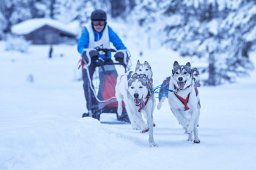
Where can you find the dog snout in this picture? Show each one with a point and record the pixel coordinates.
(136, 95)
(180, 78)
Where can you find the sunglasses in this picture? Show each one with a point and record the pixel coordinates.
(98, 23)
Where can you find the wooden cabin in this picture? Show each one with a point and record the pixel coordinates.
(45, 31)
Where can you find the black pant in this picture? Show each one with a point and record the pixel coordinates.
(91, 102)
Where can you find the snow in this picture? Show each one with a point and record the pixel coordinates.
(30, 25)
(41, 126)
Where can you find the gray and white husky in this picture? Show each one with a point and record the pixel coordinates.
(141, 99)
(183, 100)
(121, 89)
(135, 90)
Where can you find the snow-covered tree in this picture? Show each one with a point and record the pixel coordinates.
(145, 14)
(221, 30)
(38, 8)
(77, 10)
(12, 12)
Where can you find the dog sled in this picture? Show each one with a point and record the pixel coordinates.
(104, 82)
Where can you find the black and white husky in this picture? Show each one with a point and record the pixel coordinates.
(135, 90)
(121, 89)
(183, 100)
(141, 100)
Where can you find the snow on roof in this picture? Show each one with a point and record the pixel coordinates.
(28, 26)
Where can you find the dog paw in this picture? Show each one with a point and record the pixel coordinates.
(145, 130)
(153, 144)
(190, 139)
(197, 141)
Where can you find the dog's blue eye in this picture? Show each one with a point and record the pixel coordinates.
(140, 87)
(177, 73)
(185, 72)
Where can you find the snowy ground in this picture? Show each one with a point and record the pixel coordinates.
(41, 126)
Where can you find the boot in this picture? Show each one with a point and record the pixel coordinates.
(96, 114)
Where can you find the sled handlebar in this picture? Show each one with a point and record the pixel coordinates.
(105, 50)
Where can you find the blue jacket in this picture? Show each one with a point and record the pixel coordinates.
(83, 41)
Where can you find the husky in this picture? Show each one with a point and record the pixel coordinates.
(121, 89)
(140, 99)
(196, 77)
(180, 89)
(196, 81)
(144, 68)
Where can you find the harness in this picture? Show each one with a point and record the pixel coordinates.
(182, 100)
(143, 104)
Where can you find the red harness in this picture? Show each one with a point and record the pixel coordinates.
(183, 101)
(143, 104)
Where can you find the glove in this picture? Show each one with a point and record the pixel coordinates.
(90, 55)
(94, 54)
(122, 56)
(119, 56)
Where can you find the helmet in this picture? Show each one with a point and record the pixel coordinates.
(98, 15)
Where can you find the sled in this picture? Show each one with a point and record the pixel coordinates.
(107, 76)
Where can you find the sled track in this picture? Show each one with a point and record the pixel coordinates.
(127, 133)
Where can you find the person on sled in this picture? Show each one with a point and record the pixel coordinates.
(97, 34)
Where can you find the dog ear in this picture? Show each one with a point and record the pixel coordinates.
(147, 64)
(137, 65)
(188, 64)
(195, 70)
(130, 81)
(175, 64)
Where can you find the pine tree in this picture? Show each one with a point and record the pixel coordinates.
(12, 12)
(214, 29)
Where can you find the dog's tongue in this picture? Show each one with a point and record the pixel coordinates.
(181, 85)
(137, 101)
